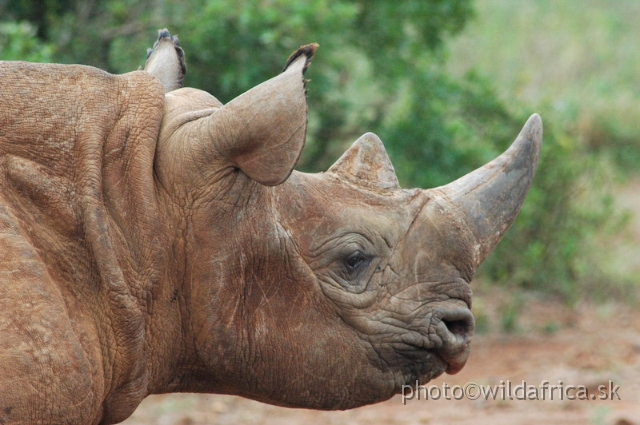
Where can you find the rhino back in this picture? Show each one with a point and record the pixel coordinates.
(76, 151)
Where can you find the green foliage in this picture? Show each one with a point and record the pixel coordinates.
(551, 328)
(581, 61)
(577, 67)
(548, 247)
(38, 13)
(368, 50)
(381, 67)
(443, 129)
(18, 41)
(509, 314)
(482, 319)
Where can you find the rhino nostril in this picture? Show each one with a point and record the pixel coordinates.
(460, 325)
(461, 329)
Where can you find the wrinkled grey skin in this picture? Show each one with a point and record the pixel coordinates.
(154, 240)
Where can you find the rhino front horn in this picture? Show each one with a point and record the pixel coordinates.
(490, 197)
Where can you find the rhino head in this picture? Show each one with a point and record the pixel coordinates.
(327, 290)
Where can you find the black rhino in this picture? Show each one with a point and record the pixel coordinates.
(154, 240)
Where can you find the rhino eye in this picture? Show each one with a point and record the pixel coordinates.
(354, 260)
(355, 263)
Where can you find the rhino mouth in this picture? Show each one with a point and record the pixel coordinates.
(456, 328)
(442, 346)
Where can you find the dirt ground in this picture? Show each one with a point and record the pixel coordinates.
(588, 345)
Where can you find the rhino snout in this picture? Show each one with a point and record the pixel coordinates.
(455, 330)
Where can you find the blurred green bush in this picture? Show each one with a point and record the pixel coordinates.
(18, 41)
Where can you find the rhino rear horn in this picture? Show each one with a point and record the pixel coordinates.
(366, 163)
(262, 131)
(490, 197)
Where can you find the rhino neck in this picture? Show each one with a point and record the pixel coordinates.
(82, 180)
(255, 319)
(126, 236)
(226, 242)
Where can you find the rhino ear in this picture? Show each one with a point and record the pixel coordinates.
(166, 61)
(262, 131)
(366, 163)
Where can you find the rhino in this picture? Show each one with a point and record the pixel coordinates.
(155, 240)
